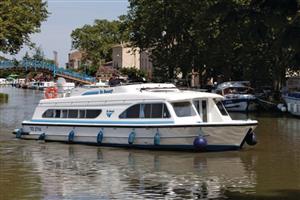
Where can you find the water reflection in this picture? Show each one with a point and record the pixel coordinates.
(3, 98)
(84, 172)
(38, 170)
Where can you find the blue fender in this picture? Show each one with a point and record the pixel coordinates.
(131, 137)
(251, 139)
(200, 143)
(19, 133)
(157, 139)
(42, 136)
(100, 137)
(71, 136)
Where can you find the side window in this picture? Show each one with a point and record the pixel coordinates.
(201, 108)
(64, 114)
(204, 111)
(81, 113)
(146, 108)
(166, 113)
(183, 109)
(92, 113)
(57, 114)
(73, 114)
(48, 113)
(131, 112)
(221, 107)
(155, 110)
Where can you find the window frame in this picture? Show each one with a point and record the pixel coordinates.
(195, 112)
(143, 115)
(65, 113)
(223, 110)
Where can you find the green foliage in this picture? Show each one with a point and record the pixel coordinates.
(19, 19)
(96, 40)
(240, 39)
(88, 69)
(38, 55)
(4, 74)
(133, 73)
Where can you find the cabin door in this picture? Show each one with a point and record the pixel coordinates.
(201, 107)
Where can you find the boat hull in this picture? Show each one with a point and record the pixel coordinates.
(240, 105)
(293, 105)
(219, 137)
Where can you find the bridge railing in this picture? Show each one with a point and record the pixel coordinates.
(36, 65)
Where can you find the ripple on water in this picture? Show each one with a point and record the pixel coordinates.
(38, 170)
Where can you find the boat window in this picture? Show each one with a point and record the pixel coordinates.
(73, 114)
(91, 92)
(154, 110)
(200, 106)
(64, 114)
(92, 113)
(183, 109)
(157, 110)
(81, 113)
(221, 107)
(48, 113)
(146, 110)
(57, 113)
(204, 110)
(132, 112)
(166, 113)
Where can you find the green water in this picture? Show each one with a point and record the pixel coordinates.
(39, 170)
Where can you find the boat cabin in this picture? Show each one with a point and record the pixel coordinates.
(135, 104)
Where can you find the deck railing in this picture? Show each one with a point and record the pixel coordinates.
(41, 65)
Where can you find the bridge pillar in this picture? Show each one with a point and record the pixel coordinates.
(54, 70)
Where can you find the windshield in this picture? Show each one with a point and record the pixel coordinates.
(183, 109)
(221, 107)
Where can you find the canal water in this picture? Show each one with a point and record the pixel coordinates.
(39, 170)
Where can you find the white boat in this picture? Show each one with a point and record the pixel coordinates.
(158, 116)
(291, 95)
(33, 85)
(237, 96)
(3, 81)
(45, 84)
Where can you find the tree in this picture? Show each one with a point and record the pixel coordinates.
(19, 19)
(240, 39)
(38, 54)
(134, 74)
(96, 40)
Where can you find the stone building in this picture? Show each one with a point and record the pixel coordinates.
(74, 60)
(106, 71)
(125, 56)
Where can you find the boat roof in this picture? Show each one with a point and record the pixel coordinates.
(231, 84)
(167, 92)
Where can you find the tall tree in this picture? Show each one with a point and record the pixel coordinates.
(19, 19)
(241, 39)
(96, 40)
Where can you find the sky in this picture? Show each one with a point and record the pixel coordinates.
(67, 15)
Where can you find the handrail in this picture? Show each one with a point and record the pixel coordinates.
(29, 64)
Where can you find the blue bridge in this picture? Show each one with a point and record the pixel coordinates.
(40, 66)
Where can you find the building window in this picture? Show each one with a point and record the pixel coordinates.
(154, 110)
